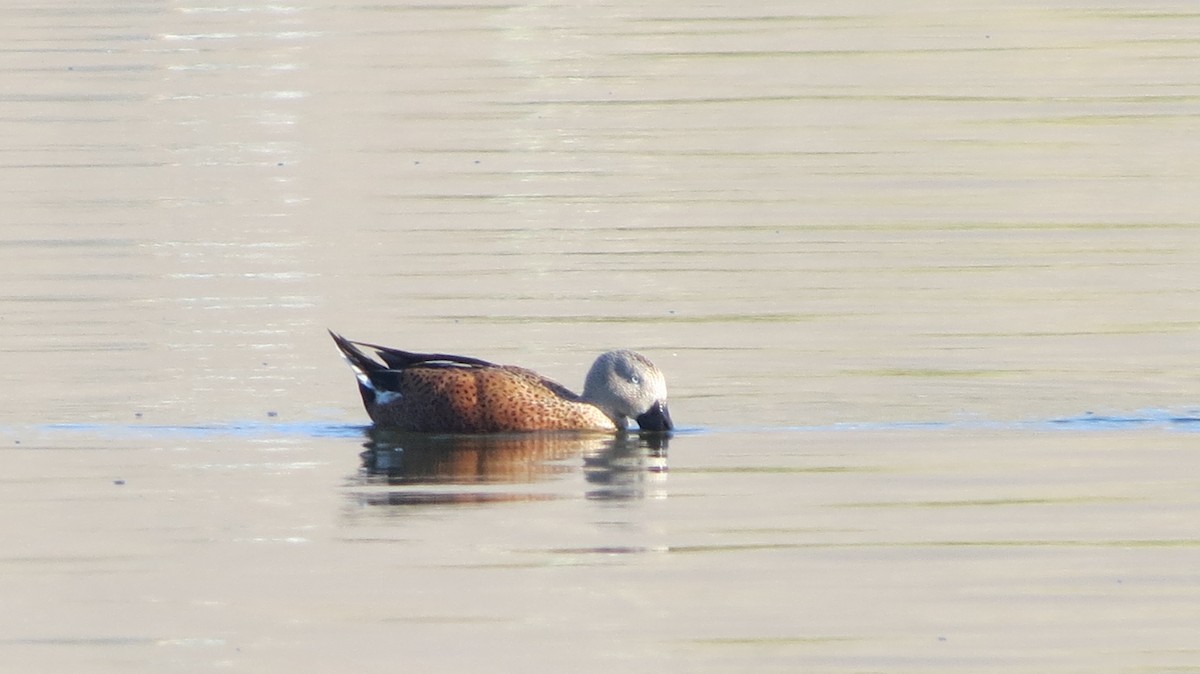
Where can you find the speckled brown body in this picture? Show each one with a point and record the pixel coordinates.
(443, 393)
(482, 399)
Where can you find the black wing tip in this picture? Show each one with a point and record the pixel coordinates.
(398, 359)
(358, 360)
(341, 341)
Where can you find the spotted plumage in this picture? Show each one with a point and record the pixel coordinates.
(430, 392)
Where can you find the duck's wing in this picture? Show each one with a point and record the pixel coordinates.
(397, 359)
(535, 380)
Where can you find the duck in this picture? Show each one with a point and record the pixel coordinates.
(443, 393)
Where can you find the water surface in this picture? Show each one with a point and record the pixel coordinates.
(923, 281)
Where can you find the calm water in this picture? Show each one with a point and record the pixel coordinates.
(923, 280)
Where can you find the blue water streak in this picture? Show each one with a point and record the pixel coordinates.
(1185, 420)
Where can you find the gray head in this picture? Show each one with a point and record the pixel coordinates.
(626, 385)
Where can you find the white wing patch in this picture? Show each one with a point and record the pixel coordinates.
(381, 397)
(386, 397)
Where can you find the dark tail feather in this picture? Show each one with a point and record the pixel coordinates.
(360, 361)
(373, 377)
(397, 359)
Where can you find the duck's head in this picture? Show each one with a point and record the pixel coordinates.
(626, 385)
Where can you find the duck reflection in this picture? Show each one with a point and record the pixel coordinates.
(631, 467)
(615, 466)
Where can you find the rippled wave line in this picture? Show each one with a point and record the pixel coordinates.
(1186, 420)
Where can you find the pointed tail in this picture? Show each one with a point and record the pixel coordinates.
(361, 362)
(374, 378)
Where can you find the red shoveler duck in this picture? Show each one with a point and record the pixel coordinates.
(441, 393)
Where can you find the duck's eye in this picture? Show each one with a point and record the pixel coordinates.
(626, 372)
(633, 379)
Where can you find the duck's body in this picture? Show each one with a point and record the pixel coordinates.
(440, 393)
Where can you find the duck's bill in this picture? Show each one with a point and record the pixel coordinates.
(657, 418)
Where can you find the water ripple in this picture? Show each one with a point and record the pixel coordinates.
(1181, 420)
